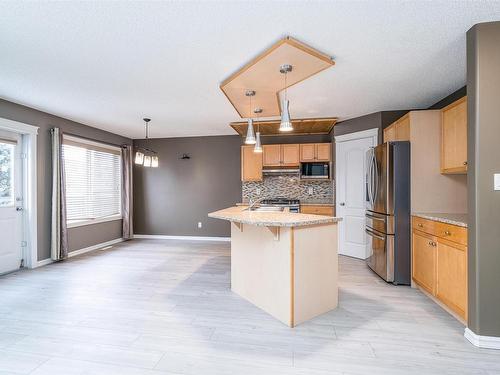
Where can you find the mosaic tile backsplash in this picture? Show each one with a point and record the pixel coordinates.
(288, 187)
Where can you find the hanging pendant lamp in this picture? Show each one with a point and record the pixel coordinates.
(250, 138)
(286, 123)
(141, 156)
(258, 146)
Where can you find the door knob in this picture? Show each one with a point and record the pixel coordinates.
(19, 208)
(342, 204)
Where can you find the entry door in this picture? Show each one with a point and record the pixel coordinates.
(351, 180)
(11, 217)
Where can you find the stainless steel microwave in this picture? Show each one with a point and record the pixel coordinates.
(315, 171)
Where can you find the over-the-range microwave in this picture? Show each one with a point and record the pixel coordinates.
(315, 171)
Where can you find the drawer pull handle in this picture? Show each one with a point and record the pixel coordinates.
(465, 163)
(447, 232)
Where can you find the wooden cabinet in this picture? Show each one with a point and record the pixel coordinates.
(272, 155)
(424, 260)
(290, 154)
(281, 155)
(454, 138)
(311, 152)
(451, 286)
(398, 130)
(251, 164)
(439, 262)
(316, 210)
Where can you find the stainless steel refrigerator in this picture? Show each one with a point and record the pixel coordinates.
(388, 208)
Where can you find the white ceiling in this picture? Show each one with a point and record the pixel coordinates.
(109, 64)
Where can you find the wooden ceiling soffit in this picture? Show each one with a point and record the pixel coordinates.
(262, 75)
(300, 126)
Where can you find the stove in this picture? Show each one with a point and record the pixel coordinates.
(292, 204)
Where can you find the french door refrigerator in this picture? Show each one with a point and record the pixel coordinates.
(387, 218)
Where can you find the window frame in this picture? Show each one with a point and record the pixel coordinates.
(74, 141)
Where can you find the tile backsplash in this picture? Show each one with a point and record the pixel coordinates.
(288, 187)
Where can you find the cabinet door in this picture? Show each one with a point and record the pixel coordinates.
(390, 133)
(454, 138)
(272, 155)
(424, 260)
(290, 155)
(307, 152)
(403, 129)
(323, 151)
(251, 164)
(451, 285)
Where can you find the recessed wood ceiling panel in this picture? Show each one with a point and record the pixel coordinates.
(263, 76)
(300, 127)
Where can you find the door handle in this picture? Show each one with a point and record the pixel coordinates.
(342, 204)
(19, 208)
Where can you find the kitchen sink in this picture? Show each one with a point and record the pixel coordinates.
(266, 209)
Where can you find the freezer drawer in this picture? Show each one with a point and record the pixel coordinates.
(381, 259)
(379, 222)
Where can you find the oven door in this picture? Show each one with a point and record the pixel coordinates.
(381, 259)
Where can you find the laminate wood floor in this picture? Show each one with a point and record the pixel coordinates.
(164, 307)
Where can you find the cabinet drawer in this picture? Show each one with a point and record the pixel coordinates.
(316, 210)
(424, 225)
(452, 233)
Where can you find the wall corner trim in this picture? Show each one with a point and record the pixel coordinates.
(486, 342)
(183, 238)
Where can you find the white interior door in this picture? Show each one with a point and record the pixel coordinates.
(350, 193)
(11, 214)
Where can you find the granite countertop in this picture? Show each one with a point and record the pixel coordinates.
(453, 219)
(312, 202)
(239, 214)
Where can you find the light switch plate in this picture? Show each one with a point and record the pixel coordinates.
(496, 181)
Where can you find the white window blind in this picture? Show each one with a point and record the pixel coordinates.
(93, 180)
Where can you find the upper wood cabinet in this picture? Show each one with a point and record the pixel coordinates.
(311, 152)
(281, 155)
(454, 138)
(398, 130)
(251, 164)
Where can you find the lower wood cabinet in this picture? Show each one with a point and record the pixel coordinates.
(439, 262)
(317, 210)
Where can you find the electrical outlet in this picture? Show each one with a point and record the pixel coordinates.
(310, 190)
(199, 224)
(257, 191)
(496, 181)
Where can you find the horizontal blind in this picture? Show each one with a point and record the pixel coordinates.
(93, 181)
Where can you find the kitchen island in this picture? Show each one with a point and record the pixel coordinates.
(284, 263)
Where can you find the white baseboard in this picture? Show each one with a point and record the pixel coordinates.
(80, 251)
(184, 238)
(487, 342)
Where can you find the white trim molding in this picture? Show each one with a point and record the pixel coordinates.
(486, 342)
(183, 238)
(74, 253)
(30, 220)
(370, 133)
(81, 223)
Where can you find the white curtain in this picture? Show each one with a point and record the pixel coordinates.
(127, 195)
(59, 234)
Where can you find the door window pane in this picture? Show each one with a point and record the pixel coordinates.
(6, 174)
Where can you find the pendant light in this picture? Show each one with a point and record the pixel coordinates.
(258, 146)
(250, 138)
(286, 123)
(141, 156)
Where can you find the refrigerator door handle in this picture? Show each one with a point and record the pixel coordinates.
(375, 179)
(374, 235)
(375, 218)
(369, 176)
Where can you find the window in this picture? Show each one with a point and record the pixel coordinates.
(6, 173)
(93, 181)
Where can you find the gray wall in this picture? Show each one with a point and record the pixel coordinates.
(172, 199)
(483, 87)
(79, 237)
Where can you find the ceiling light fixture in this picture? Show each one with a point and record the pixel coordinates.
(258, 146)
(286, 123)
(250, 138)
(146, 156)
